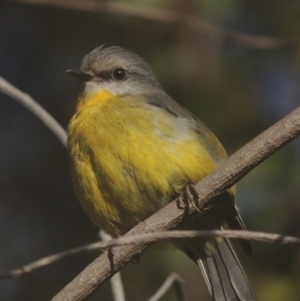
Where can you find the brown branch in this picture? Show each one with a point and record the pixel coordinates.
(168, 17)
(213, 185)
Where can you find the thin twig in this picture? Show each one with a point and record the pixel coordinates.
(172, 280)
(153, 237)
(168, 17)
(27, 101)
(48, 260)
(213, 185)
(115, 281)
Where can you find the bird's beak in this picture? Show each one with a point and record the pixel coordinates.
(82, 75)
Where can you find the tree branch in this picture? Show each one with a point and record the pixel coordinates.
(213, 185)
(168, 17)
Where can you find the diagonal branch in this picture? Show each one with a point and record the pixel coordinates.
(213, 185)
(168, 17)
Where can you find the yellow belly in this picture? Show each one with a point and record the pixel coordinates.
(128, 159)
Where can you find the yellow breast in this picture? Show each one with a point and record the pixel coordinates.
(129, 158)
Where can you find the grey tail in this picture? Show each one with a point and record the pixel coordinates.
(225, 276)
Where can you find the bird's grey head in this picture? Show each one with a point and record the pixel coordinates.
(117, 70)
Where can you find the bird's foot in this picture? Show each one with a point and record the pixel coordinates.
(189, 195)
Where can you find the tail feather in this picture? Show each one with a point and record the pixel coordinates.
(233, 219)
(225, 276)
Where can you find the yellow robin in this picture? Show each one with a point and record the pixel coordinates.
(133, 149)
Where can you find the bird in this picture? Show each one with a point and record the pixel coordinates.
(133, 149)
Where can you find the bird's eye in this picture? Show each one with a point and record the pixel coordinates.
(119, 74)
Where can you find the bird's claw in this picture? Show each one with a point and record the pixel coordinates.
(189, 195)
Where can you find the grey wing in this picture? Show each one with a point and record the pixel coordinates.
(217, 152)
(209, 140)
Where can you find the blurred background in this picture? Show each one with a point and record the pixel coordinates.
(238, 91)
